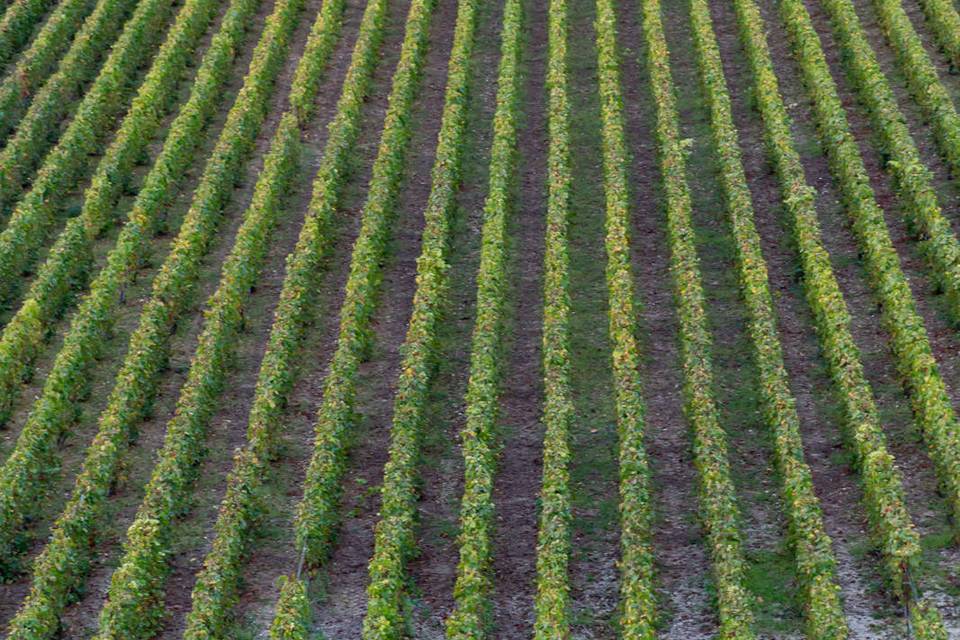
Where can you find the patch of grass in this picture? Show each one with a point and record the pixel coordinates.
(941, 575)
(937, 541)
(860, 549)
(243, 630)
(593, 432)
(771, 578)
(842, 458)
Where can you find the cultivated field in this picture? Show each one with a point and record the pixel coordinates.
(464, 319)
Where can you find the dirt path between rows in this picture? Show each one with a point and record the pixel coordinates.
(519, 468)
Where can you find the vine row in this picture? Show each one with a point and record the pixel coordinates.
(336, 411)
(637, 596)
(815, 561)
(921, 76)
(946, 27)
(933, 411)
(92, 120)
(394, 534)
(552, 597)
(71, 255)
(17, 24)
(36, 64)
(912, 179)
(107, 98)
(26, 474)
(139, 577)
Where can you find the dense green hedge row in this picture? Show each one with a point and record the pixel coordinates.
(552, 599)
(471, 615)
(912, 179)
(816, 564)
(890, 521)
(37, 63)
(131, 609)
(92, 120)
(394, 534)
(292, 620)
(718, 504)
(922, 77)
(931, 404)
(27, 472)
(95, 119)
(218, 582)
(946, 27)
(68, 552)
(637, 596)
(70, 256)
(17, 24)
(336, 413)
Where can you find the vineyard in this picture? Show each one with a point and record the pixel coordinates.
(467, 319)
